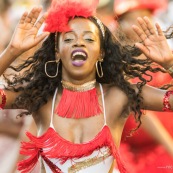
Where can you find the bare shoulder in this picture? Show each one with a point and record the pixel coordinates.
(114, 92)
(116, 100)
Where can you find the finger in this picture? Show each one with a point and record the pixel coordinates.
(149, 26)
(159, 31)
(29, 17)
(143, 26)
(36, 15)
(33, 15)
(142, 48)
(139, 32)
(22, 19)
(41, 37)
(40, 21)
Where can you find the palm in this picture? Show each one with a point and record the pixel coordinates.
(154, 44)
(25, 35)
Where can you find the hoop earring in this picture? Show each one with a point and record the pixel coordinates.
(57, 61)
(100, 74)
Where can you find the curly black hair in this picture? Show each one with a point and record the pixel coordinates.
(119, 65)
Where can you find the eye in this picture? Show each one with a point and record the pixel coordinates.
(89, 39)
(68, 40)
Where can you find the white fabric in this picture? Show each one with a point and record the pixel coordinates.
(9, 148)
(102, 167)
(116, 170)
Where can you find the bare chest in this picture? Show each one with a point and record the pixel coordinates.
(84, 129)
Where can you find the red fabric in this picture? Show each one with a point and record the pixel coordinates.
(141, 152)
(52, 145)
(141, 139)
(159, 79)
(78, 104)
(3, 95)
(61, 11)
(124, 6)
(148, 159)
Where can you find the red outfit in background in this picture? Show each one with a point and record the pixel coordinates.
(141, 153)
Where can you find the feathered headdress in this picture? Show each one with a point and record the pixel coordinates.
(61, 11)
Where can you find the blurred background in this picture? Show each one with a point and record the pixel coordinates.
(150, 149)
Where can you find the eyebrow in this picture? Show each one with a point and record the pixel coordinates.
(90, 32)
(68, 32)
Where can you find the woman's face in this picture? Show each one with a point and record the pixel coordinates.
(79, 50)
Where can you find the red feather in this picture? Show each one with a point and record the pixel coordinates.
(61, 11)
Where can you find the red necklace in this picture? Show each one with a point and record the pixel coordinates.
(78, 101)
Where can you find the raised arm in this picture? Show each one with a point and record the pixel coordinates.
(154, 45)
(24, 38)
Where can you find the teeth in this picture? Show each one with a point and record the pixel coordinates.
(78, 60)
(79, 53)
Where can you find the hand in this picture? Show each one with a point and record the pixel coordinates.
(25, 35)
(154, 44)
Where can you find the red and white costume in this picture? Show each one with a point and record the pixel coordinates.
(62, 156)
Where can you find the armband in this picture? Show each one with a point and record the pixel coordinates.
(3, 95)
(166, 104)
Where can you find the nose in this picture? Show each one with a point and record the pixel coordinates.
(79, 43)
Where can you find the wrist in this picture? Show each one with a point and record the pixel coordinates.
(169, 69)
(13, 52)
(169, 66)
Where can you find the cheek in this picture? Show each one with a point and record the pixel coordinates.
(94, 52)
(63, 48)
(64, 51)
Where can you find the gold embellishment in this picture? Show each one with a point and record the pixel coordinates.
(89, 162)
(84, 87)
(100, 74)
(100, 25)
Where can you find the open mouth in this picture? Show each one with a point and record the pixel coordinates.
(78, 57)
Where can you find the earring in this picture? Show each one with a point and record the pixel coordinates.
(57, 62)
(100, 74)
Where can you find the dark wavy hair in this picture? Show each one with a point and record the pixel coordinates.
(119, 65)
